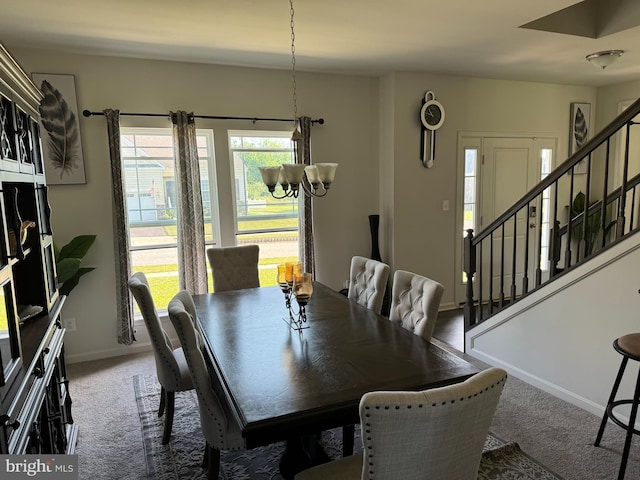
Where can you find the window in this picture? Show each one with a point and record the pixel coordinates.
(470, 166)
(149, 177)
(260, 218)
(469, 199)
(546, 157)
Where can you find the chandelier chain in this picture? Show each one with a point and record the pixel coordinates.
(293, 64)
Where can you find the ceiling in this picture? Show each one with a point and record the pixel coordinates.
(363, 37)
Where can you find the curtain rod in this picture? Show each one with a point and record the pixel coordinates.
(88, 113)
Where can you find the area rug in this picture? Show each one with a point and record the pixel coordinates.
(182, 457)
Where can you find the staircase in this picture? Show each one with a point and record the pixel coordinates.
(578, 211)
(547, 305)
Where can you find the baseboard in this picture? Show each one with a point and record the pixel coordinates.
(449, 306)
(142, 344)
(551, 388)
(114, 352)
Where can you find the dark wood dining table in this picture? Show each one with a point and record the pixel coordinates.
(282, 384)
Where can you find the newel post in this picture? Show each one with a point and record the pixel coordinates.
(469, 270)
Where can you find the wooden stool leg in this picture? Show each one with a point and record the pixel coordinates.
(612, 397)
(632, 425)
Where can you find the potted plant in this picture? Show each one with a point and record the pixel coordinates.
(68, 260)
(592, 232)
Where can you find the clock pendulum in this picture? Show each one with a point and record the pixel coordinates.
(432, 118)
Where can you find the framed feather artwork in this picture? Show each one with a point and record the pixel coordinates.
(579, 131)
(60, 129)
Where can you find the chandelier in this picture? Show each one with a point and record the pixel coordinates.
(314, 179)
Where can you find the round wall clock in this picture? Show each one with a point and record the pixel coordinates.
(432, 118)
(432, 112)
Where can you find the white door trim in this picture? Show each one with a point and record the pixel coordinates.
(468, 139)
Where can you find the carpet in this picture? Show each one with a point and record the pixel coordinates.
(182, 457)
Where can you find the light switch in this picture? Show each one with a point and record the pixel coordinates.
(445, 205)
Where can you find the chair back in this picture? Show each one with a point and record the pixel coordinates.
(367, 282)
(234, 268)
(167, 367)
(219, 430)
(437, 434)
(415, 301)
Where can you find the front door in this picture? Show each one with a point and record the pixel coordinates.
(496, 172)
(510, 168)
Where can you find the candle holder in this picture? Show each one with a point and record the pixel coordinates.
(302, 291)
(286, 275)
(295, 283)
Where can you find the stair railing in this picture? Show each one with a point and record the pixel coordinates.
(563, 221)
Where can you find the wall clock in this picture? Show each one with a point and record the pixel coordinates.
(431, 118)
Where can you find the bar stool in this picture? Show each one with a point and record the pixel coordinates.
(629, 347)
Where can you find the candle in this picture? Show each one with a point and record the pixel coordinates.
(282, 275)
(289, 271)
(292, 269)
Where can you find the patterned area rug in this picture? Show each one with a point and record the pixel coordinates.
(182, 457)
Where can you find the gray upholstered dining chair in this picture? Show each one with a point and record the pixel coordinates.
(220, 430)
(171, 366)
(234, 268)
(367, 282)
(415, 301)
(437, 434)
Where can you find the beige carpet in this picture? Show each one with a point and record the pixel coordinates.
(555, 433)
(182, 457)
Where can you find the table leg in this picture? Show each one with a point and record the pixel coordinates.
(301, 453)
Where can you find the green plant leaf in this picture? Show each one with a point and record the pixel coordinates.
(68, 259)
(77, 248)
(578, 204)
(67, 268)
(71, 283)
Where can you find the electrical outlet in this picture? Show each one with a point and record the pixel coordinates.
(69, 324)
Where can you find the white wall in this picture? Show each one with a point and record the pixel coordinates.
(609, 97)
(348, 105)
(424, 236)
(560, 337)
(372, 129)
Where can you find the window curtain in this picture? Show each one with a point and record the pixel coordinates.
(126, 332)
(303, 156)
(192, 266)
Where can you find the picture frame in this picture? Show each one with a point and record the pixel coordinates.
(579, 131)
(60, 129)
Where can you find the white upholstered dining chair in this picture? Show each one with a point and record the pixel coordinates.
(415, 301)
(171, 366)
(234, 268)
(367, 282)
(367, 286)
(220, 430)
(437, 434)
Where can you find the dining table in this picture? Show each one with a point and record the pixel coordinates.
(284, 384)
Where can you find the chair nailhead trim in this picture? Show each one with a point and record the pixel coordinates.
(420, 405)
